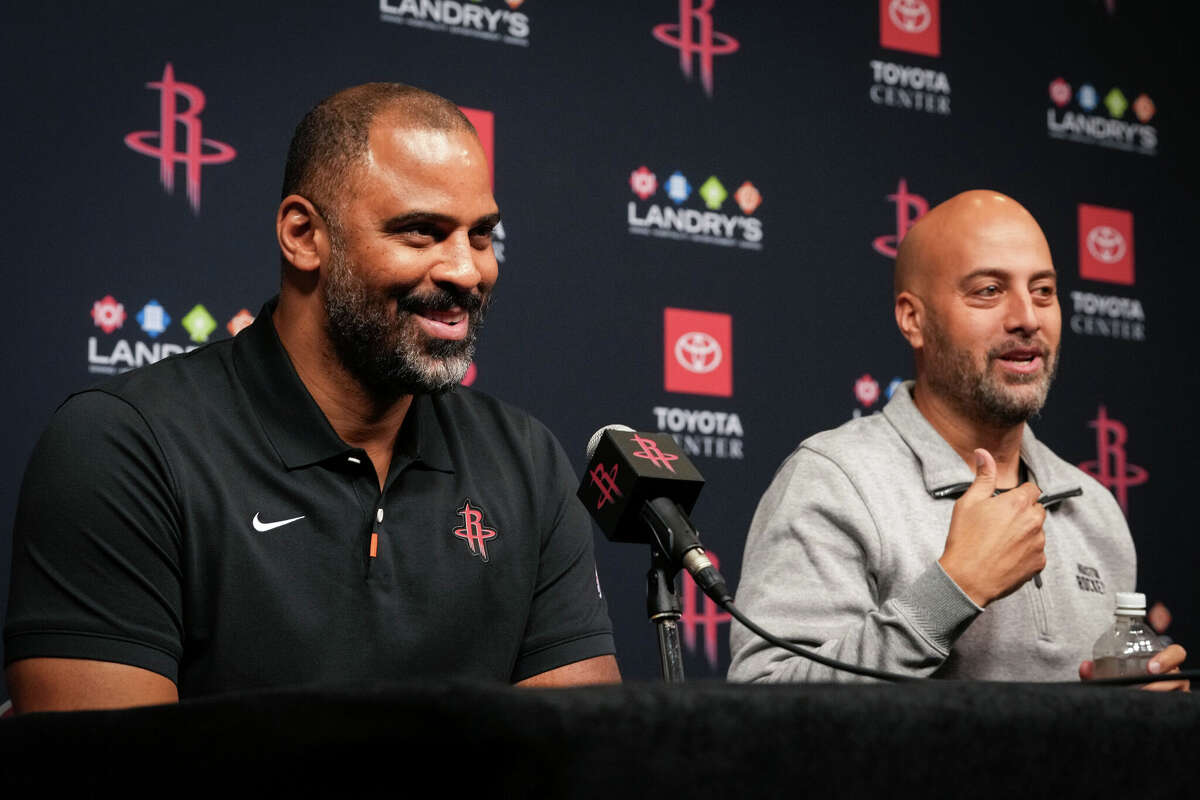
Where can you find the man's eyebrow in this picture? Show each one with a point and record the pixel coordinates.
(412, 217)
(1004, 275)
(491, 220)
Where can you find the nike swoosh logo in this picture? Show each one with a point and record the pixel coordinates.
(263, 527)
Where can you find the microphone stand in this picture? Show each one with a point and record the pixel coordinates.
(664, 608)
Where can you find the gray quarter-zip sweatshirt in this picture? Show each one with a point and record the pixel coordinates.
(842, 557)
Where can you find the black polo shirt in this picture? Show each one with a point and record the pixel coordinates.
(200, 518)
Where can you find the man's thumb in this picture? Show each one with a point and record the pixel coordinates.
(985, 473)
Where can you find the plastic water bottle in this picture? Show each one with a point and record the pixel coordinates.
(1129, 643)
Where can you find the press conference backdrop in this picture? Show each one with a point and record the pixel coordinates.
(701, 204)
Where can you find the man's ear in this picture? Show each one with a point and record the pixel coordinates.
(302, 233)
(910, 318)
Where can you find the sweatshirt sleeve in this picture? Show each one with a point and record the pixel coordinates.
(810, 575)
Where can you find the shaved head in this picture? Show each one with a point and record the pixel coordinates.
(937, 238)
(976, 298)
(333, 137)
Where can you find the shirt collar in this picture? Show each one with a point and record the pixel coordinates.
(423, 434)
(945, 473)
(295, 424)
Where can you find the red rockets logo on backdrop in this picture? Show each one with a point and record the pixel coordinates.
(701, 619)
(192, 150)
(696, 39)
(911, 25)
(485, 126)
(1105, 244)
(1111, 466)
(910, 207)
(698, 352)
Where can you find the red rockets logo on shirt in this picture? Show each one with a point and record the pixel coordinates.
(473, 530)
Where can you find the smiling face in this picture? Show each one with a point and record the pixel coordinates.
(411, 265)
(988, 339)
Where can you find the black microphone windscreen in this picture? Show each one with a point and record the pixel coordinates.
(629, 468)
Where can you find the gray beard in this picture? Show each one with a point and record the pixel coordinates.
(385, 351)
(980, 395)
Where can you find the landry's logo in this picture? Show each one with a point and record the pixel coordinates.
(698, 352)
(162, 144)
(910, 25)
(673, 221)
(473, 531)
(109, 315)
(1114, 130)
(475, 19)
(1112, 467)
(696, 40)
(1106, 255)
(701, 620)
(909, 208)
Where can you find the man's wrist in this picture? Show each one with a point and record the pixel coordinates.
(968, 587)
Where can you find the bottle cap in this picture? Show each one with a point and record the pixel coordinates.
(1131, 603)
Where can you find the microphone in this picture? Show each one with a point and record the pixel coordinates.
(640, 487)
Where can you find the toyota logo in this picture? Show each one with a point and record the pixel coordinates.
(698, 352)
(910, 16)
(1106, 244)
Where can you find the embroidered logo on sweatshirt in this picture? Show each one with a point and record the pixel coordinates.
(1089, 580)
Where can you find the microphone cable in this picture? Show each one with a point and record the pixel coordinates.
(894, 677)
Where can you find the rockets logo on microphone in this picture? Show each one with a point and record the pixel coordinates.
(698, 360)
(627, 467)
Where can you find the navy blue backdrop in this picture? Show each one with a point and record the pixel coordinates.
(700, 204)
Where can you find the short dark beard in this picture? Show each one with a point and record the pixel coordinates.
(951, 372)
(383, 350)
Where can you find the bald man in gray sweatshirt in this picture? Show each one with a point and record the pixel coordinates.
(940, 537)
